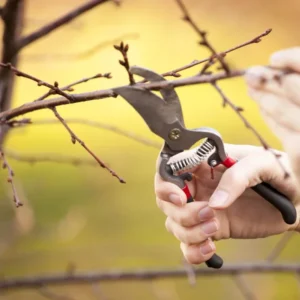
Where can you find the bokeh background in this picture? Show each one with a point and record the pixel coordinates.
(84, 216)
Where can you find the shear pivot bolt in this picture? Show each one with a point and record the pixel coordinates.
(174, 134)
(213, 163)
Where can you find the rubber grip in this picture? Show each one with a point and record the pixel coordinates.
(215, 262)
(281, 202)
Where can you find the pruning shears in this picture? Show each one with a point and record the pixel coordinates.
(164, 118)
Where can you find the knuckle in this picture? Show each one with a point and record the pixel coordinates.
(183, 218)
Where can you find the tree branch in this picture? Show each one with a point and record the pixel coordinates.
(142, 274)
(123, 50)
(204, 41)
(54, 88)
(97, 124)
(75, 138)
(12, 15)
(100, 94)
(71, 85)
(5, 165)
(41, 32)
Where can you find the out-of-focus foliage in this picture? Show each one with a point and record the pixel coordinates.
(82, 214)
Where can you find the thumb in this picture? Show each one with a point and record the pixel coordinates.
(248, 172)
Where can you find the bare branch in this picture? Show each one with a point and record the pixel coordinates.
(49, 157)
(124, 49)
(54, 87)
(97, 124)
(142, 274)
(244, 288)
(257, 39)
(75, 138)
(5, 165)
(69, 86)
(45, 292)
(279, 247)
(203, 34)
(100, 94)
(81, 55)
(238, 110)
(43, 31)
(12, 16)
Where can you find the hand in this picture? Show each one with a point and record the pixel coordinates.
(279, 100)
(224, 207)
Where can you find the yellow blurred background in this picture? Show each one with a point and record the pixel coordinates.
(82, 215)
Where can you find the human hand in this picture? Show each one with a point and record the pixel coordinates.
(279, 100)
(224, 207)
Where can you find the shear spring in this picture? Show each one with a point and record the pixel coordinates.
(193, 160)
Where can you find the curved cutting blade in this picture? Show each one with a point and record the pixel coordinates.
(158, 113)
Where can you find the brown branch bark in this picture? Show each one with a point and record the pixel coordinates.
(6, 165)
(204, 41)
(255, 40)
(97, 124)
(143, 274)
(54, 88)
(75, 138)
(45, 30)
(125, 63)
(49, 157)
(70, 86)
(12, 16)
(100, 94)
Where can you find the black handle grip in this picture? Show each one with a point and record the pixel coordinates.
(215, 261)
(278, 200)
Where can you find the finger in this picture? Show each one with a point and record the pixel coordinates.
(248, 172)
(168, 191)
(197, 254)
(195, 234)
(262, 78)
(188, 215)
(291, 85)
(284, 112)
(287, 58)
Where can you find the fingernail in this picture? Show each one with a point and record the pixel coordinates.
(209, 227)
(218, 199)
(176, 199)
(206, 213)
(207, 248)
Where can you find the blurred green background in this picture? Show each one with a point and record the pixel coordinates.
(82, 215)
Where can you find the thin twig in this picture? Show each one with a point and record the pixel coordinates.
(279, 247)
(70, 86)
(5, 165)
(244, 288)
(49, 157)
(45, 30)
(238, 110)
(34, 57)
(255, 40)
(203, 34)
(125, 63)
(142, 274)
(97, 124)
(101, 94)
(190, 271)
(45, 292)
(75, 138)
(54, 87)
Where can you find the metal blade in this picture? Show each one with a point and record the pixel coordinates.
(168, 93)
(155, 111)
